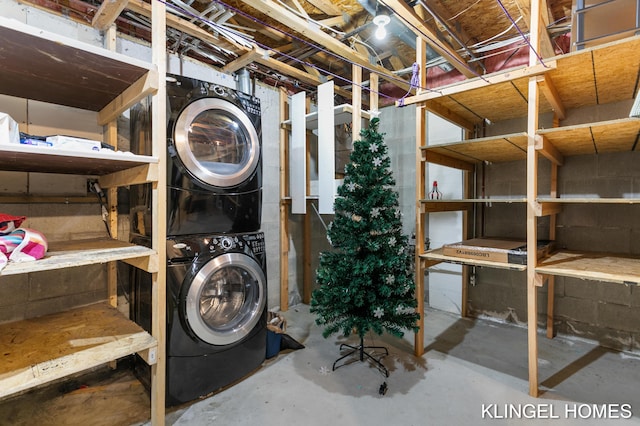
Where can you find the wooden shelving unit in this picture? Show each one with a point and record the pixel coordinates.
(600, 75)
(38, 65)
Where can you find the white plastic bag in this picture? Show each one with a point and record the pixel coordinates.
(9, 133)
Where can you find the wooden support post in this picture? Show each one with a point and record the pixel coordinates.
(552, 236)
(421, 136)
(284, 211)
(356, 102)
(374, 80)
(159, 231)
(532, 192)
(467, 217)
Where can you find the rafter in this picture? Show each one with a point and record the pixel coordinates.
(107, 13)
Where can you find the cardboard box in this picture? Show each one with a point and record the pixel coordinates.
(496, 250)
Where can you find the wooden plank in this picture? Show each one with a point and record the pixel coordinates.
(487, 82)
(159, 18)
(69, 72)
(432, 156)
(533, 110)
(550, 92)
(38, 350)
(288, 18)
(421, 181)
(107, 13)
(79, 253)
(615, 268)
(143, 87)
(510, 147)
(547, 149)
(546, 209)
(432, 206)
(417, 25)
(356, 102)
(284, 210)
(243, 60)
(574, 200)
(437, 254)
(136, 175)
(590, 138)
(24, 158)
(597, 76)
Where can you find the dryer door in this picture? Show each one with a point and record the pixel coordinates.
(226, 299)
(216, 142)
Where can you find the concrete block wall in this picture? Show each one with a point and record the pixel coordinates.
(600, 311)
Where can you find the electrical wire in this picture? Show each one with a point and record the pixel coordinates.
(290, 56)
(504, 9)
(102, 200)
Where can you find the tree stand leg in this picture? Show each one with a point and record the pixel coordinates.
(362, 354)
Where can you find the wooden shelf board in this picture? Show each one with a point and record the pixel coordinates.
(79, 253)
(594, 138)
(38, 350)
(25, 158)
(597, 76)
(479, 200)
(501, 148)
(589, 200)
(68, 71)
(437, 254)
(592, 266)
(591, 76)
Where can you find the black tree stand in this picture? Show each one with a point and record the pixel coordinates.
(362, 354)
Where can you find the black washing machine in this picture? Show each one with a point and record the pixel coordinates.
(214, 162)
(216, 312)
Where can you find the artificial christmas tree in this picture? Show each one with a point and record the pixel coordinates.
(366, 283)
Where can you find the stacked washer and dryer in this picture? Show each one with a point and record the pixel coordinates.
(216, 263)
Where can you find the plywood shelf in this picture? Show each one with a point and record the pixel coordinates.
(38, 350)
(594, 138)
(83, 252)
(592, 200)
(592, 266)
(593, 76)
(510, 147)
(30, 158)
(47, 67)
(433, 206)
(438, 255)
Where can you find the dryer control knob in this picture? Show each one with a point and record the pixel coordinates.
(226, 243)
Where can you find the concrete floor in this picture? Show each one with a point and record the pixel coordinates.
(473, 371)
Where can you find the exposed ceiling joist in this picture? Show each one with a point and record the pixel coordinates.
(285, 17)
(417, 25)
(546, 48)
(108, 13)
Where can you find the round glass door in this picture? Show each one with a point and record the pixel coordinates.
(226, 299)
(216, 142)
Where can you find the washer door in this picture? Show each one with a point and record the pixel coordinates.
(226, 299)
(216, 142)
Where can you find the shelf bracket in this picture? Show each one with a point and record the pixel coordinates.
(546, 148)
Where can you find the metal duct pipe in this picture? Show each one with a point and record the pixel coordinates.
(244, 81)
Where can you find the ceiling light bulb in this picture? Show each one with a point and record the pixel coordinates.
(381, 20)
(381, 32)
